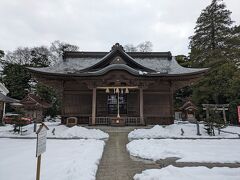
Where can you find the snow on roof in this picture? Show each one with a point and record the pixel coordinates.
(154, 64)
(7, 99)
(3, 89)
(70, 65)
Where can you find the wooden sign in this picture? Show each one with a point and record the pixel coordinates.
(41, 146)
(41, 139)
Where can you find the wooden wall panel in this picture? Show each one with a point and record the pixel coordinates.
(75, 85)
(102, 103)
(78, 104)
(133, 103)
(156, 104)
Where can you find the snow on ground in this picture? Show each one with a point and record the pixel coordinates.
(222, 150)
(61, 131)
(63, 159)
(174, 131)
(189, 173)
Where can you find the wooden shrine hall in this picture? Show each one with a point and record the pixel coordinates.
(117, 87)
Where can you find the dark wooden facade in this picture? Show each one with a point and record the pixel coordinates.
(141, 94)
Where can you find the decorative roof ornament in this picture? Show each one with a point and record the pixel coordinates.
(117, 46)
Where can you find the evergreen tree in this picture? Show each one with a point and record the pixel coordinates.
(183, 61)
(214, 121)
(233, 45)
(1, 54)
(49, 95)
(234, 97)
(208, 44)
(16, 78)
(1, 61)
(210, 47)
(216, 44)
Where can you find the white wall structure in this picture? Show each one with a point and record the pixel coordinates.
(4, 91)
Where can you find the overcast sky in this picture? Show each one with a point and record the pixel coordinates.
(95, 25)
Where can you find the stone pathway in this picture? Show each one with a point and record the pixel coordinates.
(116, 163)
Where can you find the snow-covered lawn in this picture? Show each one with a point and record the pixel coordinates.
(63, 159)
(189, 173)
(61, 131)
(174, 131)
(222, 151)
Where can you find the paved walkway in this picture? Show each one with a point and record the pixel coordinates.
(116, 163)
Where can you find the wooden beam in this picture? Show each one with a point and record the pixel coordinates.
(217, 109)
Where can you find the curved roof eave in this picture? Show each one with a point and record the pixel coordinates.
(118, 67)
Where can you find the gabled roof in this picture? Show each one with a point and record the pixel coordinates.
(188, 105)
(34, 100)
(136, 63)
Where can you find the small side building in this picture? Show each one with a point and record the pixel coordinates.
(188, 111)
(34, 107)
(3, 100)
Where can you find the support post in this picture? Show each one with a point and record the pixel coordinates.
(171, 102)
(141, 106)
(94, 106)
(38, 167)
(118, 111)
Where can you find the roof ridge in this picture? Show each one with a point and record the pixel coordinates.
(82, 54)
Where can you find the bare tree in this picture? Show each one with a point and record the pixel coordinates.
(36, 56)
(58, 47)
(130, 48)
(21, 55)
(145, 46)
(142, 47)
(39, 56)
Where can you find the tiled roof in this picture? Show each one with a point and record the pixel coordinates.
(91, 64)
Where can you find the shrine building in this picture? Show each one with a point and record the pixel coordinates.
(117, 87)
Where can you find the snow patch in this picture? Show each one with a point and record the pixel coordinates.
(56, 130)
(174, 131)
(63, 159)
(189, 173)
(209, 151)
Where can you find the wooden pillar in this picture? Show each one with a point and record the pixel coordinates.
(141, 105)
(171, 102)
(94, 106)
(62, 98)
